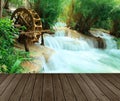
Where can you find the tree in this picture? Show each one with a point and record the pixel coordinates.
(67, 12)
(83, 14)
(6, 4)
(88, 12)
(0, 8)
(115, 17)
(48, 11)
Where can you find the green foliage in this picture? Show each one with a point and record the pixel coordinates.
(78, 14)
(118, 42)
(10, 58)
(67, 7)
(48, 11)
(84, 14)
(92, 12)
(16, 3)
(103, 13)
(115, 13)
(105, 24)
(6, 13)
(115, 16)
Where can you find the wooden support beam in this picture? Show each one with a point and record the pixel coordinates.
(47, 31)
(42, 39)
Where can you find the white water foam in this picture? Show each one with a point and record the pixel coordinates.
(80, 56)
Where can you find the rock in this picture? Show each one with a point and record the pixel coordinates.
(37, 52)
(31, 67)
(101, 43)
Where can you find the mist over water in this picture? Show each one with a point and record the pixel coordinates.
(81, 56)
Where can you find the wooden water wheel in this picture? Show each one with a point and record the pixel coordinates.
(31, 20)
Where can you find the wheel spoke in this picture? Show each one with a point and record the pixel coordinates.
(30, 19)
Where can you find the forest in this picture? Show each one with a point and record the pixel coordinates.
(81, 16)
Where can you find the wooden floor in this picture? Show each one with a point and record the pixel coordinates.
(60, 87)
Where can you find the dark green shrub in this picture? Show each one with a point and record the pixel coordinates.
(115, 17)
(10, 58)
(48, 11)
(91, 12)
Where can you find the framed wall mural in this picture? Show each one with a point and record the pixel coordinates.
(59, 50)
(59, 36)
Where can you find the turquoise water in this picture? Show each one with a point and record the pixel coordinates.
(80, 56)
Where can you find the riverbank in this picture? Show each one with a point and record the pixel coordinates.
(39, 55)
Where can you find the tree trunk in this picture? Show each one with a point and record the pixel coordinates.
(71, 10)
(6, 5)
(115, 31)
(0, 8)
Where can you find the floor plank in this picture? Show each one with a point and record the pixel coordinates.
(5, 83)
(59, 87)
(19, 89)
(112, 80)
(37, 92)
(2, 77)
(101, 96)
(87, 91)
(116, 77)
(10, 88)
(47, 88)
(58, 92)
(109, 85)
(28, 90)
(68, 93)
(104, 88)
(76, 89)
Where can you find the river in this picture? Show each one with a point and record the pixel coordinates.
(79, 55)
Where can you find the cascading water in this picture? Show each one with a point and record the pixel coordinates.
(110, 42)
(80, 56)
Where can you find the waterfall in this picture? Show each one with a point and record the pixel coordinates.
(66, 43)
(62, 41)
(79, 55)
(110, 42)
